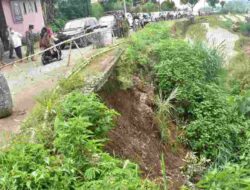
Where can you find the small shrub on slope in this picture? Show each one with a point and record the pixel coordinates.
(188, 67)
(231, 177)
(76, 105)
(75, 160)
(30, 166)
(216, 129)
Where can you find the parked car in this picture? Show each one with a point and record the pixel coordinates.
(155, 16)
(76, 28)
(108, 21)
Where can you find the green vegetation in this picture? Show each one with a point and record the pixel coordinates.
(63, 11)
(215, 120)
(235, 7)
(197, 32)
(164, 173)
(60, 146)
(72, 9)
(97, 10)
(191, 3)
(72, 156)
(231, 177)
(163, 113)
(213, 3)
(245, 28)
(168, 5)
(239, 67)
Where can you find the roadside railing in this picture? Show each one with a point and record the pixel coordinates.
(95, 37)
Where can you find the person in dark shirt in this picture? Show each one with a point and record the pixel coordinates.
(30, 40)
(1, 52)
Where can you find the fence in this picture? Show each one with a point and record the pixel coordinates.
(96, 38)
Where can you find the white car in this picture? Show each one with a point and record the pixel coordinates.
(107, 21)
(155, 16)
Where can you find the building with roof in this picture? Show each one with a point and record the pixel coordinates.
(19, 14)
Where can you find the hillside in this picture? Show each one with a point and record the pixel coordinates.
(173, 114)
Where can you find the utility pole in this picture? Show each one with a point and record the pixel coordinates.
(125, 8)
(87, 7)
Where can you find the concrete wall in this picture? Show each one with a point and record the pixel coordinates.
(35, 18)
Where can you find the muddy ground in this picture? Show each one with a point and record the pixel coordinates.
(137, 136)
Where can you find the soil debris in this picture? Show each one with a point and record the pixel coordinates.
(137, 136)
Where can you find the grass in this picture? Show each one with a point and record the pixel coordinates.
(164, 172)
(163, 114)
(197, 32)
(215, 21)
(40, 118)
(239, 67)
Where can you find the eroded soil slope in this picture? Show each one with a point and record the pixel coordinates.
(137, 136)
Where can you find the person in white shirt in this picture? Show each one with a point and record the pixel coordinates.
(11, 47)
(17, 43)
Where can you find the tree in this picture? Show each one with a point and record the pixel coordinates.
(191, 3)
(212, 3)
(97, 10)
(118, 4)
(222, 3)
(149, 7)
(49, 12)
(72, 9)
(168, 5)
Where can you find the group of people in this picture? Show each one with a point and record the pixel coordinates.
(15, 43)
(14, 38)
(122, 25)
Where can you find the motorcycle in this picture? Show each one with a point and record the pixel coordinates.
(52, 55)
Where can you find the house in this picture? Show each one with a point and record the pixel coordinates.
(19, 14)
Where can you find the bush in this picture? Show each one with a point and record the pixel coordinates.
(188, 67)
(216, 125)
(139, 52)
(168, 6)
(75, 160)
(150, 7)
(216, 128)
(230, 177)
(58, 25)
(30, 166)
(97, 10)
(245, 28)
(75, 105)
(235, 7)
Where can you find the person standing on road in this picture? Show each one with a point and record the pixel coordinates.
(119, 26)
(125, 27)
(30, 40)
(1, 52)
(11, 46)
(17, 43)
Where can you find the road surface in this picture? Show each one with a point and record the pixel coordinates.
(28, 80)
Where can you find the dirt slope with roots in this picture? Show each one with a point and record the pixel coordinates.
(137, 136)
